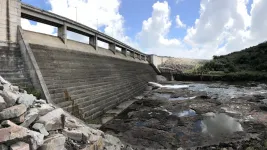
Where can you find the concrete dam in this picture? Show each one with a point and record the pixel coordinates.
(84, 79)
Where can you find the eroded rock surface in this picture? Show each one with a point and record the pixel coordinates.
(195, 116)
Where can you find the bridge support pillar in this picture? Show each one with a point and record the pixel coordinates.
(112, 47)
(93, 41)
(132, 54)
(10, 12)
(124, 51)
(62, 33)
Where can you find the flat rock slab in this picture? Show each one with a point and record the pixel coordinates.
(106, 119)
(44, 109)
(125, 104)
(54, 142)
(114, 111)
(13, 112)
(40, 127)
(30, 117)
(9, 97)
(75, 135)
(20, 146)
(52, 120)
(13, 133)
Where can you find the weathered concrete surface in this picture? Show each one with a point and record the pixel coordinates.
(10, 19)
(86, 82)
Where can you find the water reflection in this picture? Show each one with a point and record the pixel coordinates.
(186, 113)
(219, 124)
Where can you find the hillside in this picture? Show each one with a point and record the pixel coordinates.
(181, 64)
(249, 59)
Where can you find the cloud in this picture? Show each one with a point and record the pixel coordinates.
(156, 28)
(96, 14)
(179, 23)
(38, 27)
(223, 26)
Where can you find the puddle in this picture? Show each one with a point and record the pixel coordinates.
(217, 125)
(186, 113)
(162, 95)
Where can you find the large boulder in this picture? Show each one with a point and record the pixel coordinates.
(75, 135)
(2, 103)
(9, 97)
(12, 133)
(40, 127)
(26, 99)
(54, 142)
(44, 109)
(13, 112)
(161, 78)
(52, 120)
(30, 117)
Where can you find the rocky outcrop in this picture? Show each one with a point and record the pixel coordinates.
(30, 124)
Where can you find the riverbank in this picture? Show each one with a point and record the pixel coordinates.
(221, 76)
(195, 115)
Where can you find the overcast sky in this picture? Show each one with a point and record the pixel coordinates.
(179, 28)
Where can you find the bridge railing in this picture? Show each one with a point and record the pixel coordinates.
(64, 24)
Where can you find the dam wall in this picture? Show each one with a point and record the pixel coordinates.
(82, 78)
(86, 82)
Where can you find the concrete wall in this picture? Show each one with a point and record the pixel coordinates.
(84, 81)
(10, 11)
(11, 62)
(165, 63)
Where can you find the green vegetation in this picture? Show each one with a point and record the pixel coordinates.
(33, 91)
(246, 65)
(248, 60)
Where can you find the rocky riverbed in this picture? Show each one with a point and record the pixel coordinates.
(193, 115)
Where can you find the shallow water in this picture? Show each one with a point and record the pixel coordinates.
(219, 124)
(168, 96)
(186, 113)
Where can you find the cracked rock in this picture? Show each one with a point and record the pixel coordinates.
(40, 127)
(52, 120)
(13, 112)
(30, 117)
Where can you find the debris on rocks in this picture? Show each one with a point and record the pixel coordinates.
(30, 124)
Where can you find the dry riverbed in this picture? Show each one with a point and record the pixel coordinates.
(195, 116)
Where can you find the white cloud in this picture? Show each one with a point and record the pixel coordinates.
(93, 13)
(179, 23)
(38, 27)
(223, 26)
(155, 29)
(178, 1)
